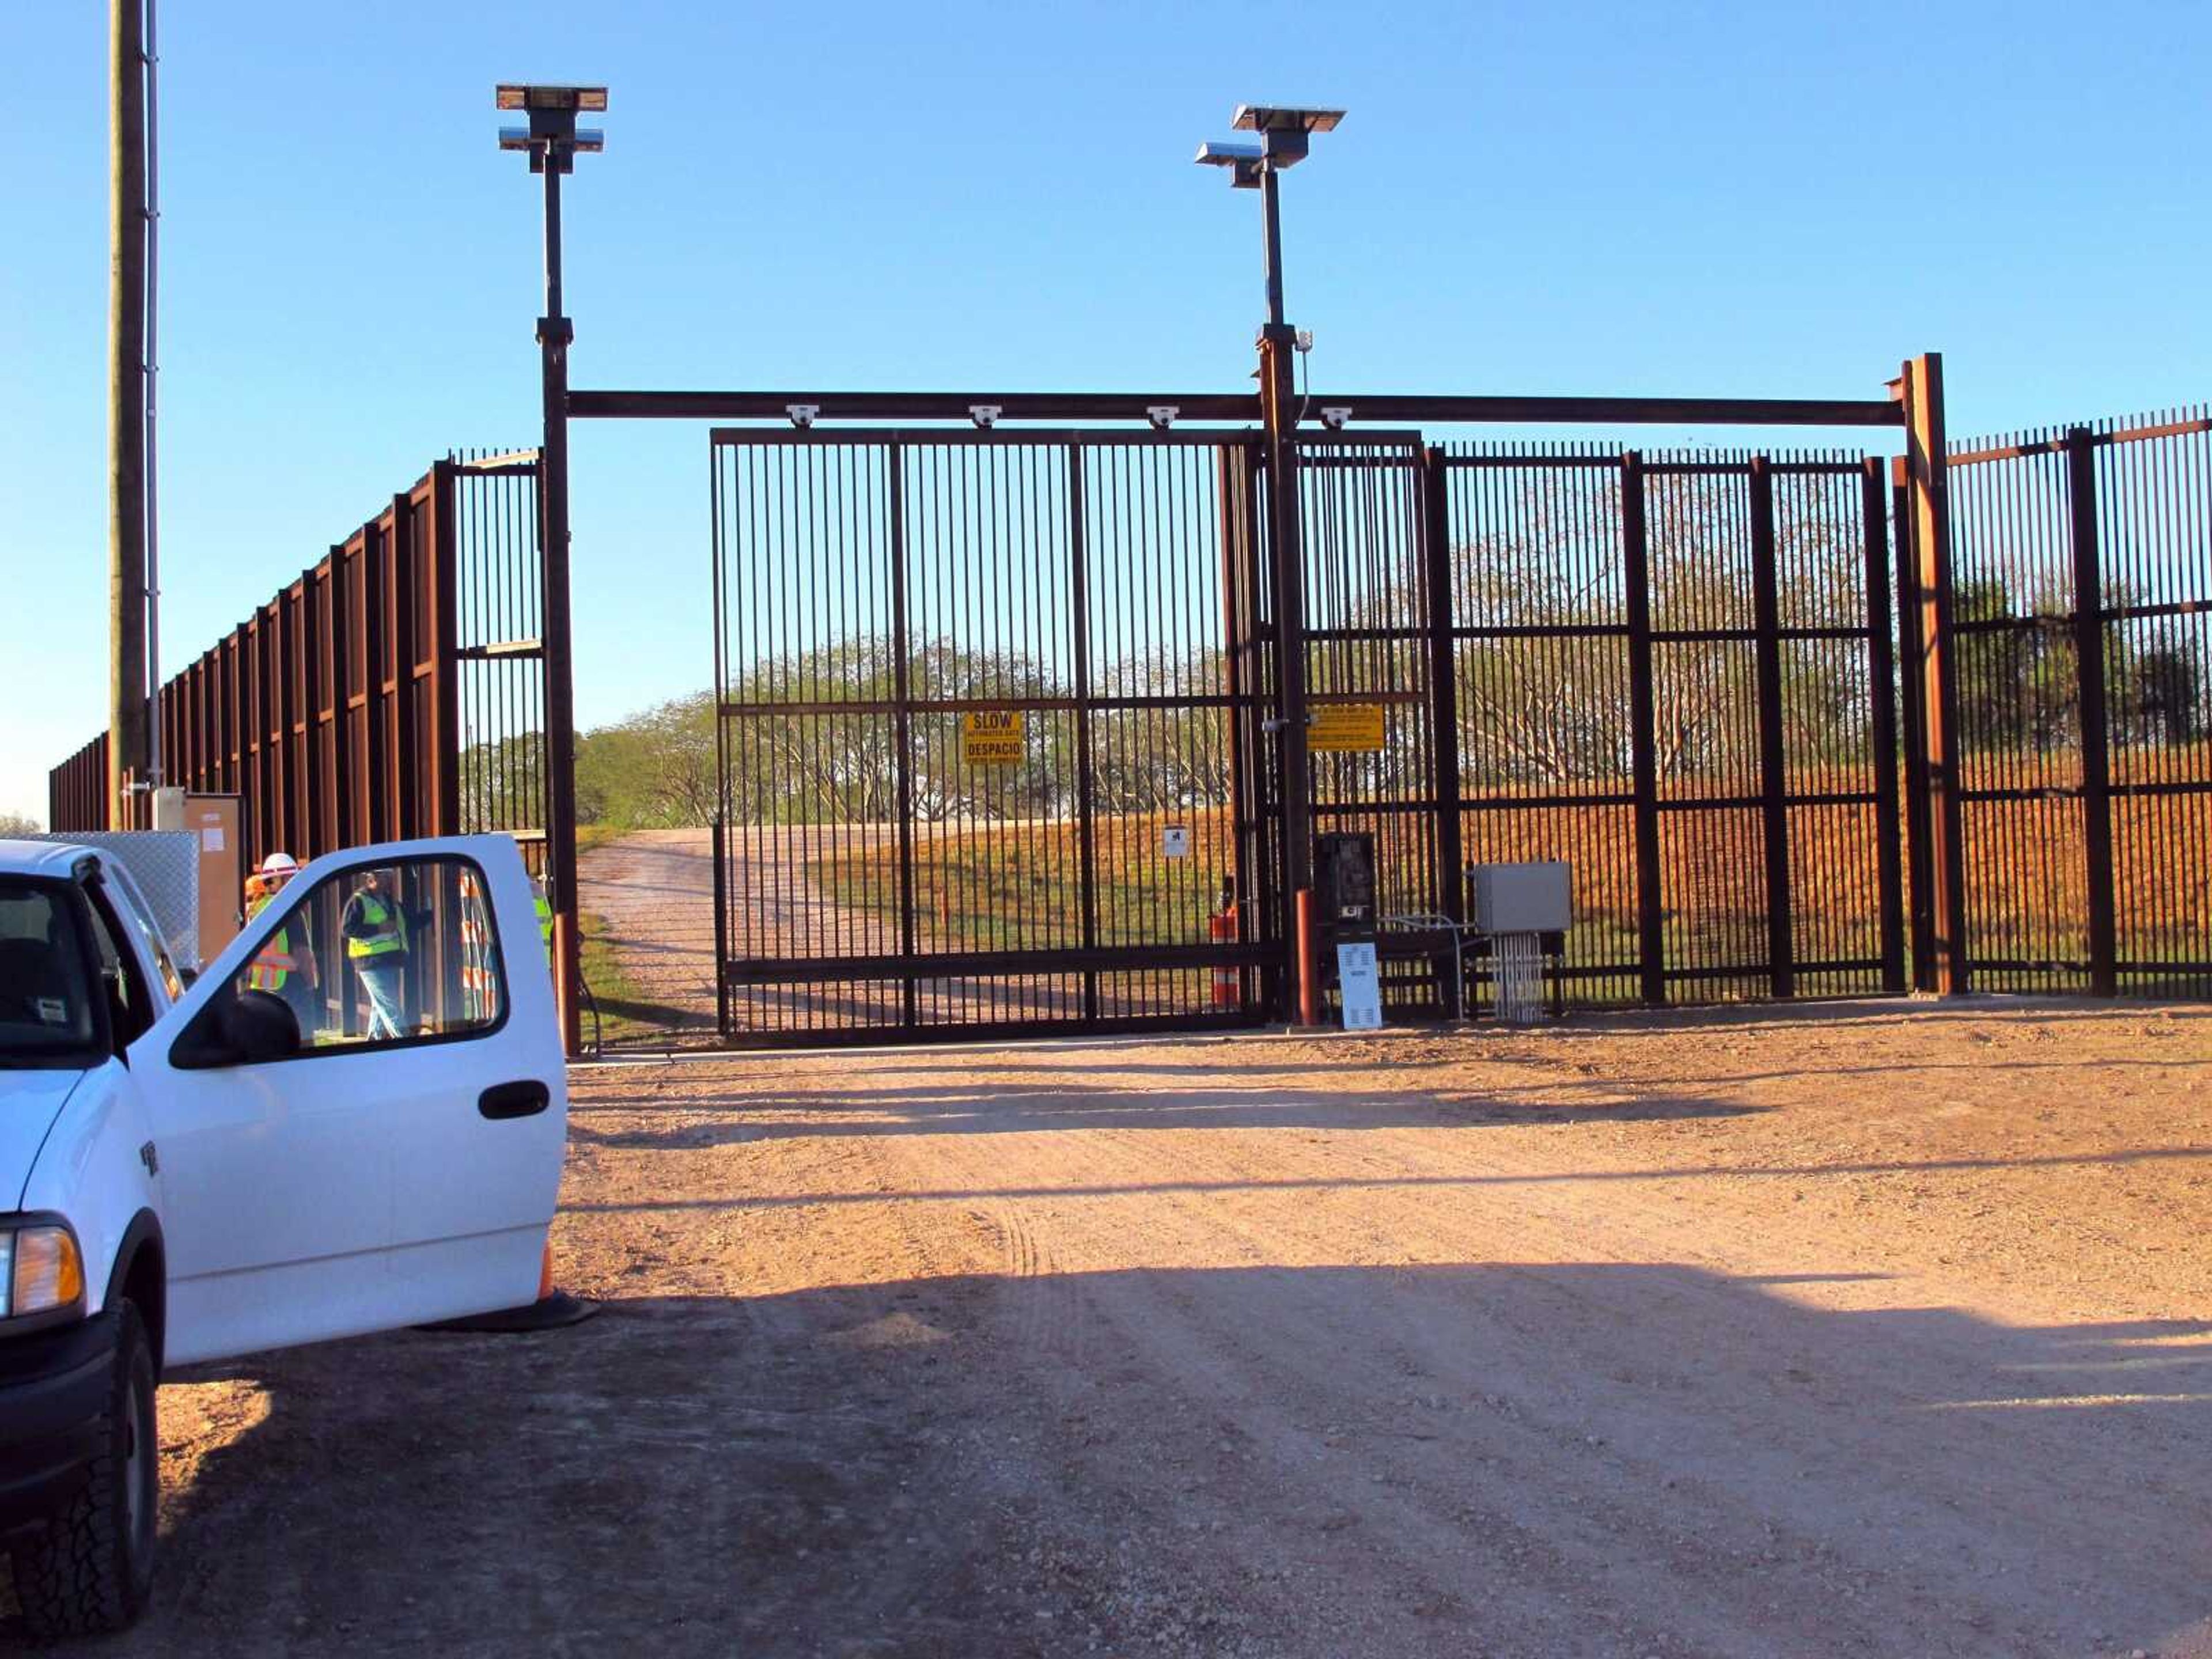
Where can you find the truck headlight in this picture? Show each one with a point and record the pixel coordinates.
(45, 1270)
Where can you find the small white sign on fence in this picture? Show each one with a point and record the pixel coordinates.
(1359, 987)
(1175, 842)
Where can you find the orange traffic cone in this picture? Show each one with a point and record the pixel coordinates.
(553, 1307)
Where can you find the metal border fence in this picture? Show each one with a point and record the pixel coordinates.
(2080, 640)
(352, 707)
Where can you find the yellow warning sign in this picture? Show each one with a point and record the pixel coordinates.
(1346, 728)
(991, 737)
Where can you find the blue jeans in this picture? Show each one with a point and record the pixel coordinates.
(380, 978)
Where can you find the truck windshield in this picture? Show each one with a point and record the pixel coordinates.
(46, 1015)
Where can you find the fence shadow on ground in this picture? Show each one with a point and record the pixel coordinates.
(1412, 1459)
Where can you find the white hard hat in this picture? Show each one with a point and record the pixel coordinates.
(280, 864)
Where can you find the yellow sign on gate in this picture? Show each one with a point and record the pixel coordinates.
(1346, 728)
(991, 737)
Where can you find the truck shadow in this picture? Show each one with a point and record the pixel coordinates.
(1491, 1456)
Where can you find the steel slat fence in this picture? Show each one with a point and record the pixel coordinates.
(2081, 583)
(335, 713)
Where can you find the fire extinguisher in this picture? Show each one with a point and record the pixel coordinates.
(1221, 928)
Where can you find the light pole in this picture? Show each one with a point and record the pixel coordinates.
(1283, 136)
(552, 140)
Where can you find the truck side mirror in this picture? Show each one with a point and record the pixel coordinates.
(246, 1028)
(259, 1026)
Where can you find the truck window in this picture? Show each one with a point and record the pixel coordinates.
(46, 989)
(130, 1001)
(384, 954)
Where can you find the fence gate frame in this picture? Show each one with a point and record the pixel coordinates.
(1264, 943)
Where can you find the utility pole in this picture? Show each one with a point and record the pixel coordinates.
(126, 410)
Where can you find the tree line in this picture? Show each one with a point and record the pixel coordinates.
(1542, 689)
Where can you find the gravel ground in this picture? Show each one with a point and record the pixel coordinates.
(1873, 1329)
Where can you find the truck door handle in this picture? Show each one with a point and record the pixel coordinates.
(524, 1099)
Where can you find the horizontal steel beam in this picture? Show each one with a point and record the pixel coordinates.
(1230, 406)
(962, 964)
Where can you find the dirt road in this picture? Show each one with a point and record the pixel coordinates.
(1876, 1332)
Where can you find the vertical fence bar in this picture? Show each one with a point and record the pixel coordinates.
(1928, 489)
(1881, 688)
(1636, 571)
(1237, 680)
(2089, 662)
(1086, 804)
(902, 732)
(1920, 926)
(1443, 685)
(443, 589)
(1773, 781)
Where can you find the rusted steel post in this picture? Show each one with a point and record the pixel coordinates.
(2089, 662)
(1309, 955)
(1643, 752)
(1773, 781)
(1443, 683)
(1881, 685)
(1928, 492)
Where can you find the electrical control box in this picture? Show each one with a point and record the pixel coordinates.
(1522, 898)
(1343, 880)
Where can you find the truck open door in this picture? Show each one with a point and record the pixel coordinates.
(361, 1110)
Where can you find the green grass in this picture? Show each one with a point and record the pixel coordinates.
(625, 1012)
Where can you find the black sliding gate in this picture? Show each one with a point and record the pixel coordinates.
(997, 734)
(987, 734)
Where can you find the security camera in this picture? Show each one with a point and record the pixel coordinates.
(1334, 415)
(986, 415)
(1162, 416)
(802, 415)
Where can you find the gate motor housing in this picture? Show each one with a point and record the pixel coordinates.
(1344, 881)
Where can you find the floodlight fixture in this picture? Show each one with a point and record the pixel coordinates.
(1334, 415)
(552, 137)
(1243, 161)
(513, 96)
(1162, 416)
(1284, 129)
(986, 415)
(1283, 118)
(802, 415)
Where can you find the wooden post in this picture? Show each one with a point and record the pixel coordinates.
(1927, 491)
(126, 408)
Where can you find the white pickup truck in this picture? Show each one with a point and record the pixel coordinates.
(352, 1120)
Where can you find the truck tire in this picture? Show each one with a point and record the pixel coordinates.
(91, 1568)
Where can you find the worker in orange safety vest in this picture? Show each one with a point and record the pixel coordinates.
(277, 967)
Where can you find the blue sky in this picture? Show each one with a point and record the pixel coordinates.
(1777, 200)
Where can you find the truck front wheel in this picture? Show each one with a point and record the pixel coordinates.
(91, 1568)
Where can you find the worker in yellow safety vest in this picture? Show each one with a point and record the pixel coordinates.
(376, 926)
(544, 908)
(278, 968)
